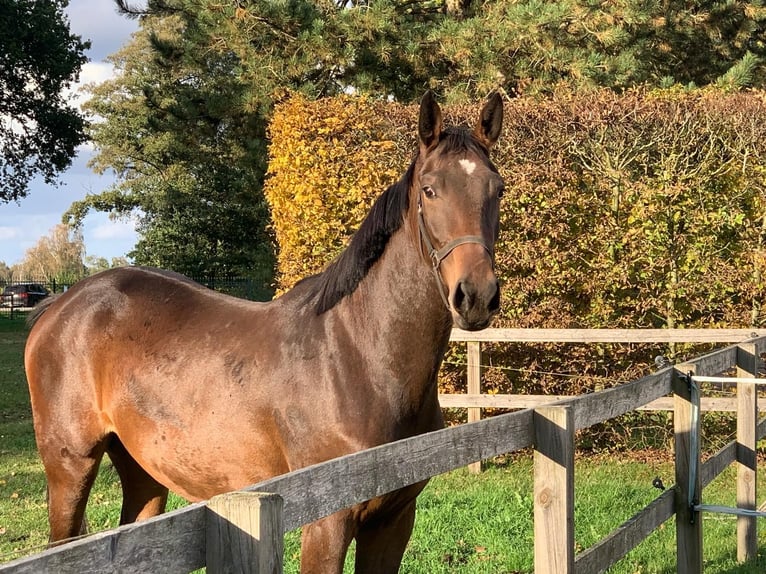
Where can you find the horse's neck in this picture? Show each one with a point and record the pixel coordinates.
(398, 302)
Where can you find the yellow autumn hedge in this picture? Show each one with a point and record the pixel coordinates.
(641, 209)
(329, 160)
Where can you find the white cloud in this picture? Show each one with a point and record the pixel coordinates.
(96, 72)
(92, 73)
(86, 148)
(103, 236)
(114, 230)
(22, 231)
(8, 233)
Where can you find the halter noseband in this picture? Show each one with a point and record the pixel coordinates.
(438, 255)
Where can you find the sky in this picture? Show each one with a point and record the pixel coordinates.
(22, 224)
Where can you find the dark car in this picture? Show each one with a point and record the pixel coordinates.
(23, 295)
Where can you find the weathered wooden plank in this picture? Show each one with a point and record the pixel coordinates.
(311, 493)
(609, 335)
(317, 491)
(747, 418)
(717, 463)
(175, 542)
(688, 522)
(604, 554)
(596, 407)
(554, 490)
(474, 386)
(714, 363)
(515, 401)
(245, 533)
(170, 543)
(707, 404)
(610, 403)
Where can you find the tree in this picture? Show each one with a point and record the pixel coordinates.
(95, 264)
(6, 273)
(186, 122)
(191, 153)
(57, 256)
(39, 130)
(465, 48)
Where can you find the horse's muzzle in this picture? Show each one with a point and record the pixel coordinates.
(475, 305)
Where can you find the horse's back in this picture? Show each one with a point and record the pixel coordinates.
(59, 320)
(68, 328)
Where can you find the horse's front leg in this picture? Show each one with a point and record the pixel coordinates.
(380, 544)
(324, 543)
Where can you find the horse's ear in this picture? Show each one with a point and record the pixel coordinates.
(430, 122)
(490, 124)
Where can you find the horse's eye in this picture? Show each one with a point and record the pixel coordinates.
(428, 191)
(500, 191)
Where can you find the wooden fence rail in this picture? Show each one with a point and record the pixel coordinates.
(474, 401)
(179, 541)
(608, 335)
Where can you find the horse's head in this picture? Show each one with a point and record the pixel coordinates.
(458, 197)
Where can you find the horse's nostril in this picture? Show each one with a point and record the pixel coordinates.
(458, 297)
(465, 296)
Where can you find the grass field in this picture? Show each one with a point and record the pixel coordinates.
(466, 524)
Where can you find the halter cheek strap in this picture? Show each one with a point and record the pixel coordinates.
(438, 255)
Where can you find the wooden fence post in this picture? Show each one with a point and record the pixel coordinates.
(474, 388)
(747, 422)
(554, 490)
(245, 533)
(688, 522)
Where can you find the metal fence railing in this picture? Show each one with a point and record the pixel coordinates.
(18, 296)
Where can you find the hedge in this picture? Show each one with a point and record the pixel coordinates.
(646, 209)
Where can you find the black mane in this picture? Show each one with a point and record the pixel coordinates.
(343, 275)
(367, 245)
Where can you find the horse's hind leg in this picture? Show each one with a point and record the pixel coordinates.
(142, 496)
(380, 545)
(70, 477)
(324, 543)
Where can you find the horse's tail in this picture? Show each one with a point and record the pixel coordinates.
(40, 308)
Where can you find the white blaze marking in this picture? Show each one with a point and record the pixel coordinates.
(468, 166)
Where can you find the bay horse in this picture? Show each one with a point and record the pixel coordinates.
(201, 393)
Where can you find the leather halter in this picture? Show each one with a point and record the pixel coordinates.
(438, 255)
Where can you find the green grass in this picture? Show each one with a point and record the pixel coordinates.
(466, 524)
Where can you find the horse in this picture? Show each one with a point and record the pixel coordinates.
(197, 392)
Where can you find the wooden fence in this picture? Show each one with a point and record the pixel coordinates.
(200, 534)
(475, 401)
